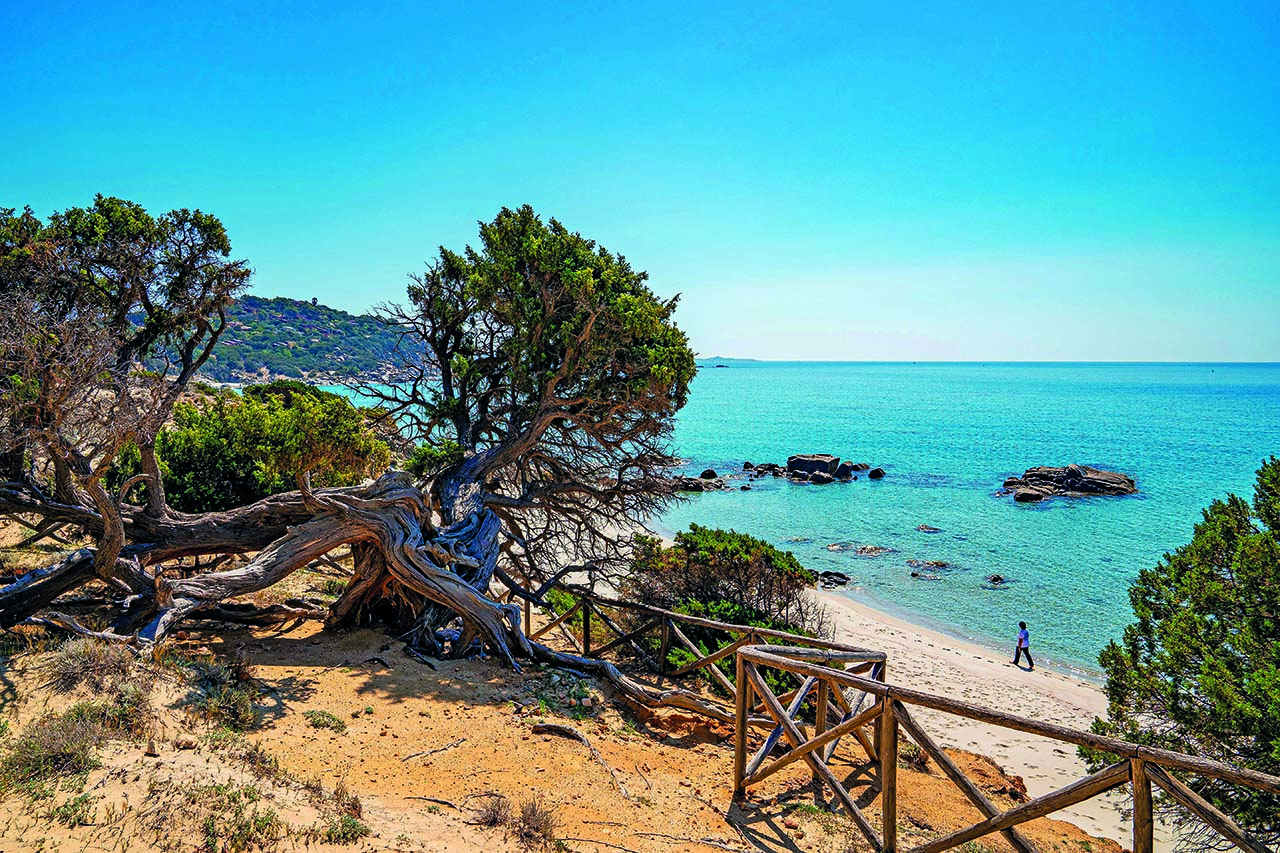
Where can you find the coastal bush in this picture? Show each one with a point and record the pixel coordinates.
(224, 452)
(1199, 671)
(224, 694)
(728, 577)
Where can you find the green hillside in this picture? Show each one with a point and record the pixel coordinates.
(301, 340)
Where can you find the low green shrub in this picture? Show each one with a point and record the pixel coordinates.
(343, 829)
(77, 811)
(325, 720)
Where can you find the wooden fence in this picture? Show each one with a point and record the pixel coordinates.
(824, 672)
(840, 679)
(668, 628)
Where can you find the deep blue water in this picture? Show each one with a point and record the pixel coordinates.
(948, 435)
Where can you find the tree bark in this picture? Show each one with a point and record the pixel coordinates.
(155, 482)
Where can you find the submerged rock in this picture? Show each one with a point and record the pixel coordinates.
(928, 528)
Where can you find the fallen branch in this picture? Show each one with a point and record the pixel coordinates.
(600, 843)
(436, 800)
(710, 842)
(449, 745)
(573, 734)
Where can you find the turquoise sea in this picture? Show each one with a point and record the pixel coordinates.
(948, 435)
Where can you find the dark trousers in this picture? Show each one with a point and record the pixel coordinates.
(1023, 650)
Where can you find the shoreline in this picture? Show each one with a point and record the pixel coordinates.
(930, 661)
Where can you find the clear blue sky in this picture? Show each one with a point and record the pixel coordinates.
(845, 181)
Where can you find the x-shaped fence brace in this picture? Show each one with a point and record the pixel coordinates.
(824, 669)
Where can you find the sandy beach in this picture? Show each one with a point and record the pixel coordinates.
(932, 662)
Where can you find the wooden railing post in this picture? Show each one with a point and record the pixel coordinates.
(1143, 821)
(665, 648)
(877, 674)
(586, 628)
(742, 709)
(888, 752)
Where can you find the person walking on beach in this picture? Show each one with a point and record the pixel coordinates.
(1024, 647)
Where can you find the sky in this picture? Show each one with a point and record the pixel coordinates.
(851, 181)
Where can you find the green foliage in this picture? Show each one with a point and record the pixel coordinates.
(1199, 671)
(234, 821)
(344, 829)
(732, 575)
(224, 695)
(427, 460)
(225, 451)
(325, 720)
(77, 811)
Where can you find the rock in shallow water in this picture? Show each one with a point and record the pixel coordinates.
(811, 463)
(1044, 482)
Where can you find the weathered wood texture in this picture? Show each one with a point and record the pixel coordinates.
(1140, 765)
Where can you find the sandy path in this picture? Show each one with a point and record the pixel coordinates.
(932, 662)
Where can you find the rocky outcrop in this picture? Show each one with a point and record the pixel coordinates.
(832, 580)
(697, 484)
(708, 474)
(819, 478)
(811, 463)
(876, 474)
(844, 471)
(1045, 482)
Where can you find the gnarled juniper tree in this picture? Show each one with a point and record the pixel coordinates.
(543, 377)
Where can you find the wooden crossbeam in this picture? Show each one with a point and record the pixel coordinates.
(712, 658)
(716, 674)
(635, 647)
(817, 742)
(1079, 791)
(956, 775)
(771, 741)
(819, 767)
(1206, 811)
(626, 638)
(554, 622)
(849, 711)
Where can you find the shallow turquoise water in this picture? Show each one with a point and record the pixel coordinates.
(948, 435)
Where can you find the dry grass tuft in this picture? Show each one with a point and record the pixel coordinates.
(494, 812)
(537, 824)
(101, 667)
